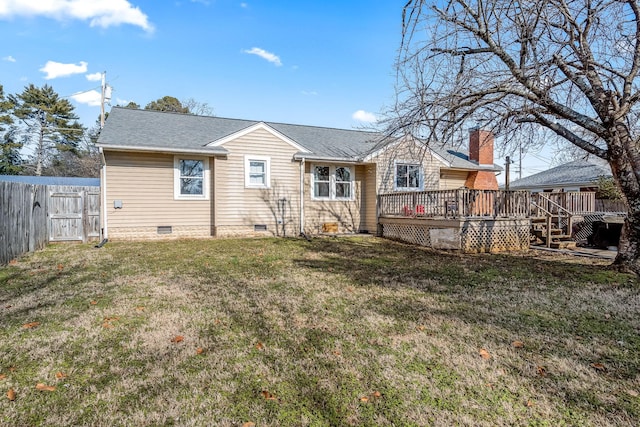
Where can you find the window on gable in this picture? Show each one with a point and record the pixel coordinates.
(190, 175)
(257, 173)
(333, 183)
(408, 176)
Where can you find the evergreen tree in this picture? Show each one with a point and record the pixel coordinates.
(167, 103)
(10, 159)
(47, 123)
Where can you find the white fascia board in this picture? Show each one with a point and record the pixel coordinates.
(252, 128)
(167, 150)
(326, 159)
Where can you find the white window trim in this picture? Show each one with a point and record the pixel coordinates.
(332, 182)
(420, 187)
(176, 179)
(247, 171)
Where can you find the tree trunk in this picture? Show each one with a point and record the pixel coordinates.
(624, 162)
(40, 151)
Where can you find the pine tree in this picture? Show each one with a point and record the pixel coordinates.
(47, 123)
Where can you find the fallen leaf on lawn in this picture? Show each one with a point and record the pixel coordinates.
(12, 369)
(376, 394)
(517, 344)
(485, 354)
(268, 395)
(336, 352)
(31, 325)
(111, 319)
(177, 339)
(60, 375)
(140, 308)
(11, 394)
(94, 302)
(529, 403)
(249, 424)
(421, 327)
(259, 345)
(60, 267)
(44, 387)
(7, 306)
(199, 350)
(364, 399)
(13, 262)
(542, 371)
(107, 325)
(598, 367)
(216, 322)
(2, 376)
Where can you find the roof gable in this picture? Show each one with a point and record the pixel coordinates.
(253, 128)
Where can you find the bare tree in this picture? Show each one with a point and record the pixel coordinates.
(198, 108)
(569, 67)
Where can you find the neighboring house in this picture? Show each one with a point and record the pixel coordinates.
(196, 176)
(579, 175)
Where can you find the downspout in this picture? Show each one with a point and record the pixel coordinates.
(105, 233)
(302, 197)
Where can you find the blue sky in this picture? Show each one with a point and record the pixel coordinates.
(324, 63)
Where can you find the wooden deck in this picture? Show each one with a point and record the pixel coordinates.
(482, 220)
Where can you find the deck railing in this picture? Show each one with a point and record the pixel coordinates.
(460, 203)
(573, 201)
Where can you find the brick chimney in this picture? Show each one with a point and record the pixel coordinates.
(481, 152)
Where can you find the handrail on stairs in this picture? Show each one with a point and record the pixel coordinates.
(549, 215)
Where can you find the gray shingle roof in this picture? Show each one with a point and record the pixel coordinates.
(576, 173)
(144, 129)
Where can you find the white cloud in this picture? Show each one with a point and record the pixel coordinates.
(309, 92)
(91, 98)
(204, 2)
(95, 77)
(53, 70)
(244, 5)
(364, 116)
(99, 13)
(274, 59)
(9, 58)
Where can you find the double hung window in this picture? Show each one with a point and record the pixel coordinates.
(332, 182)
(408, 177)
(190, 178)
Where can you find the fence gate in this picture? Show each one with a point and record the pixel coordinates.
(74, 215)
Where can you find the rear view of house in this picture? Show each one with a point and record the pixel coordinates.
(179, 175)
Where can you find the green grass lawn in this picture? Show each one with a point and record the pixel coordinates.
(353, 331)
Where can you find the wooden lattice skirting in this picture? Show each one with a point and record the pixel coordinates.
(467, 235)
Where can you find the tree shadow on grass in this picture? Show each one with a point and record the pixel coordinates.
(577, 313)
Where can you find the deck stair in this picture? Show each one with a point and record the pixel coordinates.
(551, 223)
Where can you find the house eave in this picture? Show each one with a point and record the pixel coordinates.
(312, 157)
(165, 150)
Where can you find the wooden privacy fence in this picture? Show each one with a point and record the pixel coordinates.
(33, 215)
(456, 204)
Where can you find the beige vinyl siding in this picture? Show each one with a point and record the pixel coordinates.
(370, 199)
(452, 179)
(406, 152)
(144, 182)
(350, 215)
(238, 209)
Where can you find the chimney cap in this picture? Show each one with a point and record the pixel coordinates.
(474, 128)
